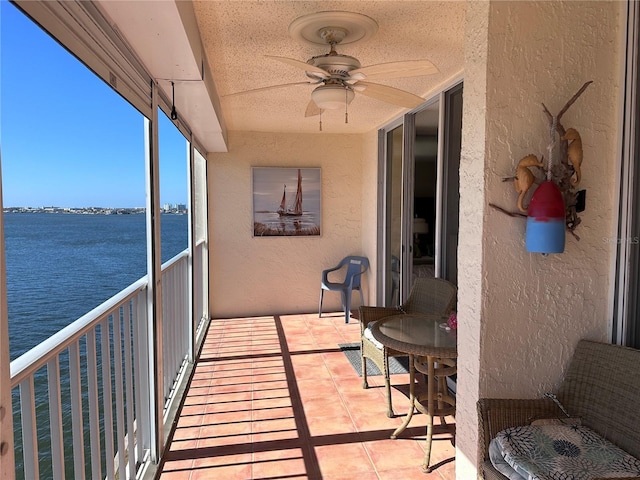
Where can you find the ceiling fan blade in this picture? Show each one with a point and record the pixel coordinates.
(389, 94)
(270, 87)
(316, 71)
(409, 68)
(312, 109)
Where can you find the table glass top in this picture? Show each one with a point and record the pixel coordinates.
(423, 330)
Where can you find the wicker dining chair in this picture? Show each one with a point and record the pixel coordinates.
(428, 295)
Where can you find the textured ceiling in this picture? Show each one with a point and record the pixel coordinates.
(237, 35)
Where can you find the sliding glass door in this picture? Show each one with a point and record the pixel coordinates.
(449, 180)
(420, 158)
(626, 304)
(393, 234)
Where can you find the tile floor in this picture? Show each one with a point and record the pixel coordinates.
(275, 398)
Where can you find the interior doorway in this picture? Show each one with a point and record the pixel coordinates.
(425, 184)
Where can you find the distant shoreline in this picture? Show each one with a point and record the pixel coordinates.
(88, 210)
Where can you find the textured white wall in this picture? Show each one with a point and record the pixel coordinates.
(369, 206)
(521, 314)
(255, 276)
(470, 245)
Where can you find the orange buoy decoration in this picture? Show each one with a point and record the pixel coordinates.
(546, 220)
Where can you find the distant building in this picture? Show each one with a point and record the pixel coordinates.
(174, 208)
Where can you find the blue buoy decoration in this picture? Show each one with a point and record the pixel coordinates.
(546, 220)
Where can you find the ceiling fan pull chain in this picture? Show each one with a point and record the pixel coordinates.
(346, 105)
(320, 120)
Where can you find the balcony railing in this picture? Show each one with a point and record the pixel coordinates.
(82, 398)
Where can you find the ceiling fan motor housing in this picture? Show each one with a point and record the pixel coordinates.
(336, 64)
(335, 92)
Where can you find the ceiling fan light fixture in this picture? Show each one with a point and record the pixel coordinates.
(332, 97)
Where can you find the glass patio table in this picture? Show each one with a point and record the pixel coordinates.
(432, 350)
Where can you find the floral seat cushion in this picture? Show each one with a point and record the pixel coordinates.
(369, 336)
(563, 452)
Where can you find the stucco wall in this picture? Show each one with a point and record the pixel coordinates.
(470, 245)
(255, 276)
(552, 302)
(521, 314)
(369, 206)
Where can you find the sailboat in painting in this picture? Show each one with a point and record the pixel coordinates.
(296, 211)
(280, 212)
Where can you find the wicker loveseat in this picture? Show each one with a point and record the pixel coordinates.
(601, 387)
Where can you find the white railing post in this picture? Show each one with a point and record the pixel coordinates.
(77, 423)
(119, 393)
(55, 419)
(94, 414)
(107, 393)
(133, 437)
(143, 390)
(29, 429)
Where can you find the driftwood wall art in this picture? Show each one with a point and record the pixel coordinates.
(563, 167)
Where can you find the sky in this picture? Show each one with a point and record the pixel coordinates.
(68, 139)
(269, 182)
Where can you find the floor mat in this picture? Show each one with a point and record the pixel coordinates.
(352, 352)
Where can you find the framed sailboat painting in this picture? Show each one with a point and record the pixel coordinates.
(286, 201)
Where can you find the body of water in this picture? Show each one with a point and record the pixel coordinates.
(61, 266)
(271, 223)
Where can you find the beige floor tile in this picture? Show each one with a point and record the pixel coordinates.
(253, 413)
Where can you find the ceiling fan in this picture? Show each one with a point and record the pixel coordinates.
(339, 77)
